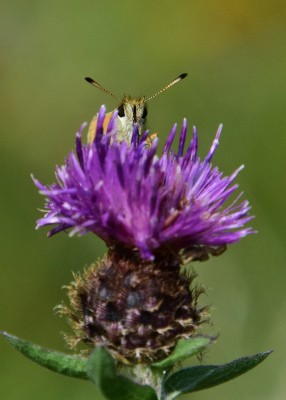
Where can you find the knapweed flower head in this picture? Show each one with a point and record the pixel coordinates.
(131, 197)
(153, 212)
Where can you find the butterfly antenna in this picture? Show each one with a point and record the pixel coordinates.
(98, 86)
(178, 79)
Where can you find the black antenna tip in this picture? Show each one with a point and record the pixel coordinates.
(182, 76)
(89, 80)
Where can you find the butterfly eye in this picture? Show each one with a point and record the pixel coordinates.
(121, 112)
(144, 114)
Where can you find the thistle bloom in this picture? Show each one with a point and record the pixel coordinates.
(133, 198)
(153, 212)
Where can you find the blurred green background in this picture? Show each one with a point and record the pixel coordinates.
(235, 54)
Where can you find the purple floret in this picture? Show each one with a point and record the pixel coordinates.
(129, 196)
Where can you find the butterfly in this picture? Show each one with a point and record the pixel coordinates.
(131, 111)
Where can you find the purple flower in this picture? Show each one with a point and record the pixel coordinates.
(131, 197)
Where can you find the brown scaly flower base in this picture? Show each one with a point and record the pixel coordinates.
(137, 309)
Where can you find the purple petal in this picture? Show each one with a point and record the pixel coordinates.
(214, 145)
(99, 125)
(170, 139)
(182, 138)
(79, 145)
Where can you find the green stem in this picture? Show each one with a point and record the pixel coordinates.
(144, 375)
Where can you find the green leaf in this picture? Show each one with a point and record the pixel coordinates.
(102, 371)
(69, 365)
(184, 349)
(205, 376)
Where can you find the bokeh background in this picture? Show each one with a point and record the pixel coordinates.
(235, 54)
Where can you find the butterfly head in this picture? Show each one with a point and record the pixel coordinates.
(131, 111)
